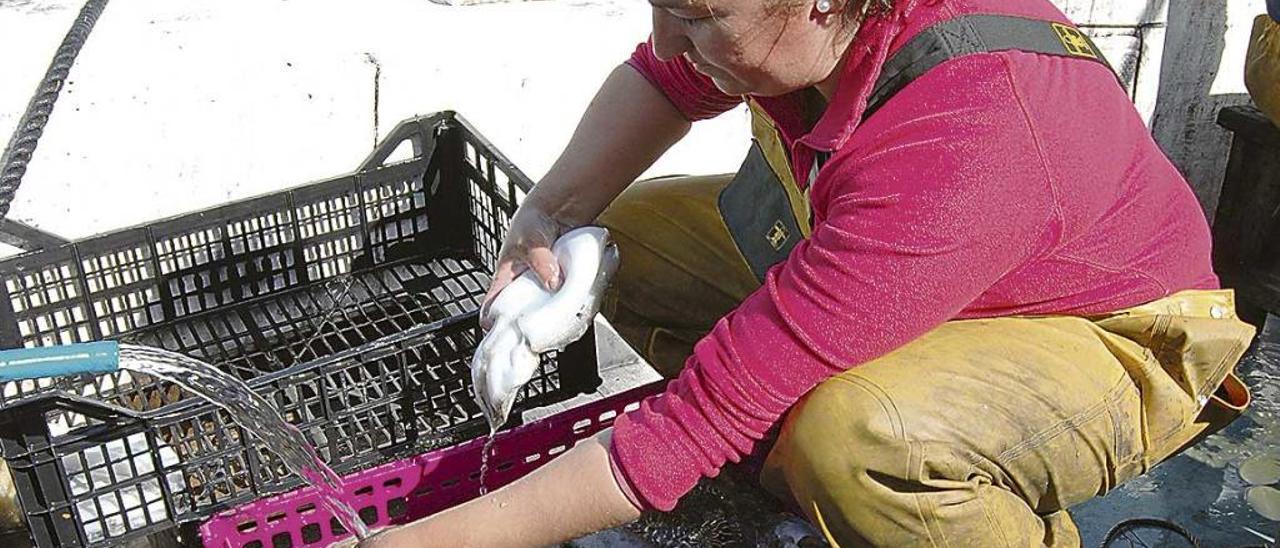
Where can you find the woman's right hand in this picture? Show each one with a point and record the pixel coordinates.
(527, 246)
(627, 126)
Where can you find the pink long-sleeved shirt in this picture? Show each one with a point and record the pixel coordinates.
(995, 184)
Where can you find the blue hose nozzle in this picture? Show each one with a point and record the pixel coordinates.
(57, 361)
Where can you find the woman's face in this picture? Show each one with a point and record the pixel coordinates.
(758, 47)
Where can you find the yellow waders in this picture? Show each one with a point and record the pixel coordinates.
(1262, 66)
(980, 432)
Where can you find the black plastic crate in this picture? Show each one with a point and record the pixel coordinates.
(350, 303)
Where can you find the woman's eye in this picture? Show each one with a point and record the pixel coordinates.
(691, 20)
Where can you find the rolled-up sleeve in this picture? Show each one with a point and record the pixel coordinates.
(692, 93)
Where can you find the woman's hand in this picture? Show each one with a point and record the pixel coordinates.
(528, 245)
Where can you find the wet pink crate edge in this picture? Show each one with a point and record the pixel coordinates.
(427, 483)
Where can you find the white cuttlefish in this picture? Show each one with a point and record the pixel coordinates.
(528, 320)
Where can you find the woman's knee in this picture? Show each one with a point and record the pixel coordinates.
(836, 452)
(845, 460)
(836, 433)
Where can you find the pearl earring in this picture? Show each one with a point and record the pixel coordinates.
(824, 6)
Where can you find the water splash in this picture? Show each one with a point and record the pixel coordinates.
(484, 459)
(254, 414)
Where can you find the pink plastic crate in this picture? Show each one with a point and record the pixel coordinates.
(406, 490)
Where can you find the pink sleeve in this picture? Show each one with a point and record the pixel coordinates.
(692, 93)
(941, 198)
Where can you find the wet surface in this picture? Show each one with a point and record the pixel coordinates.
(726, 511)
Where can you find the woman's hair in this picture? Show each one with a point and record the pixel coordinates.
(866, 8)
(879, 6)
(857, 10)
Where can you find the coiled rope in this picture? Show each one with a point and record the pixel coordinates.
(17, 154)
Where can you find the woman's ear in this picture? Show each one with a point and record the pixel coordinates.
(825, 9)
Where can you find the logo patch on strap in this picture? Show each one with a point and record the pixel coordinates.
(777, 235)
(1074, 41)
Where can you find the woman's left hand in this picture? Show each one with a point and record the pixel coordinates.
(571, 496)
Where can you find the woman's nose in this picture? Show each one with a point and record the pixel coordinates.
(669, 39)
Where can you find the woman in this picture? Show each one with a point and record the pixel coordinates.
(955, 271)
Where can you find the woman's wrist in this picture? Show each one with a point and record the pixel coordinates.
(564, 205)
(620, 478)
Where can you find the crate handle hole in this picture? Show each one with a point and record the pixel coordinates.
(405, 150)
(247, 526)
(364, 491)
